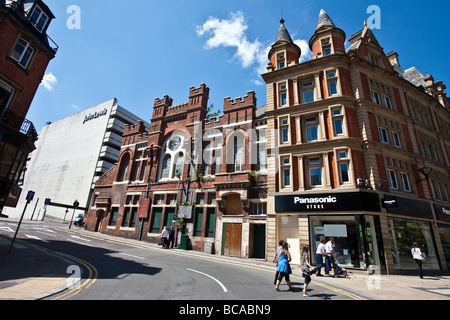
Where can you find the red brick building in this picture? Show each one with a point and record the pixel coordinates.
(212, 172)
(25, 52)
(362, 152)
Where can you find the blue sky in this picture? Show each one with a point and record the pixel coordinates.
(139, 50)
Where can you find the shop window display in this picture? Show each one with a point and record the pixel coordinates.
(357, 239)
(444, 234)
(403, 234)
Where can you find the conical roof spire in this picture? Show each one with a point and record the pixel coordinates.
(283, 34)
(324, 21)
(284, 42)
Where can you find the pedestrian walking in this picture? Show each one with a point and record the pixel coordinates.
(171, 237)
(284, 257)
(329, 255)
(306, 270)
(164, 235)
(418, 258)
(320, 252)
(275, 260)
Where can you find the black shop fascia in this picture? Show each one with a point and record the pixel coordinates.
(328, 202)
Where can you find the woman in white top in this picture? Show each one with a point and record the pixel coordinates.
(418, 257)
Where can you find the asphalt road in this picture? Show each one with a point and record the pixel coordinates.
(111, 270)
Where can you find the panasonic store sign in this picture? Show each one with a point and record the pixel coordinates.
(352, 201)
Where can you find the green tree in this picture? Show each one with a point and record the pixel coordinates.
(210, 113)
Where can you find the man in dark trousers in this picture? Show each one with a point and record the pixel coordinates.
(171, 237)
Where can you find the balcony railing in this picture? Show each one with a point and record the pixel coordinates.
(19, 12)
(13, 120)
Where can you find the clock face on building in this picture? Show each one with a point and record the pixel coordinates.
(175, 143)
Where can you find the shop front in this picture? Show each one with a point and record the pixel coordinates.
(409, 221)
(351, 218)
(443, 228)
(357, 239)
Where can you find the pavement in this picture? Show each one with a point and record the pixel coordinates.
(30, 273)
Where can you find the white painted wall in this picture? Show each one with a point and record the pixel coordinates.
(63, 165)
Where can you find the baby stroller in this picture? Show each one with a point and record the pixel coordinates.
(339, 272)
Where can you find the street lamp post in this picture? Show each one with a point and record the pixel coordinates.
(29, 198)
(76, 204)
(176, 211)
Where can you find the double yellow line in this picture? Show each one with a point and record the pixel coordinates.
(346, 293)
(92, 271)
(329, 287)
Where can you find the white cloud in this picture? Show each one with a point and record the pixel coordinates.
(49, 81)
(306, 52)
(232, 33)
(257, 82)
(74, 106)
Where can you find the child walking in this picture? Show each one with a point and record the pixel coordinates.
(306, 269)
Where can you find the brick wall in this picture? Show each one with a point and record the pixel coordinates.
(25, 81)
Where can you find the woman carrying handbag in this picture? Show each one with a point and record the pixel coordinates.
(418, 258)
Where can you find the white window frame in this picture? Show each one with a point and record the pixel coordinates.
(283, 95)
(286, 167)
(388, 102)
(393, 181)
(405, 182)
(396, 139)
(42, 16)
(307, 86)
(27, 49)
(311, 124)
(384, 135)
(284, 128)
(375, 97)
(332, 78)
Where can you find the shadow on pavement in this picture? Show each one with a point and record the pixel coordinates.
(31, 262)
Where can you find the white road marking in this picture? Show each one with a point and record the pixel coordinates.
(441, 291)
(80, 238)
(45, 229)
(7, 229)
(48, 234)
(80, 243)
(207, 275)
(36, 238)
(130, 255)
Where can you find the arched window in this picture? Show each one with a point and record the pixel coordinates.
(179, 164)
(238, 161)
(172, 157)
(123, 170)
(165, 168)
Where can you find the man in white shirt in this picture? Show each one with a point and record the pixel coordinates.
(329, 252)
(320, 252)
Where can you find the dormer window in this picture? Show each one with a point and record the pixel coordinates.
(39, 19)
(326, 47)
(281, 61)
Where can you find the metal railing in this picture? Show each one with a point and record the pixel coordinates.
(24, 126)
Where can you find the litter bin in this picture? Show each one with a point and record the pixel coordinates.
(184, 242)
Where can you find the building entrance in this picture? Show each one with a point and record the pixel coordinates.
(231, 239)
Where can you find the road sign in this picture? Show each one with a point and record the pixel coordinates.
(30, 195)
